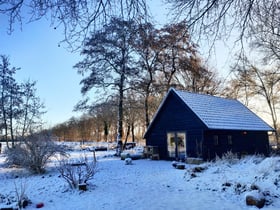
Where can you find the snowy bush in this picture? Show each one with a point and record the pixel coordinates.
(22, 199)
(228, 157)
(268, 166)
(79, 172)
(34, 152)
(16, 199)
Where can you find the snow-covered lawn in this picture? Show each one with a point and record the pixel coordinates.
(149, 184)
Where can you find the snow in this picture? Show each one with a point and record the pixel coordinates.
(149, 184)
(222, 113)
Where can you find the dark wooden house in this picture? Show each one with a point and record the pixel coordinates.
(196, 125)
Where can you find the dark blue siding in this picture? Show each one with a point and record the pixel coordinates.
(243, 142)
(174, 116)
(194, 143)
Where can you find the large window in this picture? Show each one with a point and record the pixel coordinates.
(176, 143)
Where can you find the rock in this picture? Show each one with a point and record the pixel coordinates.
(253, 200)
(193, 175)
(180, 166)
(227, 184)
(124, 155)
(254, 187)
(195, 161)
(127, 161)
(174, 163)
(198, 169)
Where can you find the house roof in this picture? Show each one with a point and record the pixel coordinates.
(220, 113)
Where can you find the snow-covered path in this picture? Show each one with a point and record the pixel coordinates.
(145, 184)
(150, 185)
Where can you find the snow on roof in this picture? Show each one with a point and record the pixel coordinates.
(222, 113)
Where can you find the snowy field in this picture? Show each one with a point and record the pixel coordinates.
(149, 184)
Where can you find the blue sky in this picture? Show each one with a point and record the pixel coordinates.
(35, 50)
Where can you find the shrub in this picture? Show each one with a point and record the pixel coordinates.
(34, 152)
(21, 197)
(228, 157)
(17, 198)
(77, 172)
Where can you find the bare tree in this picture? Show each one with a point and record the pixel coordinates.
(20, 108)
(147, 50)
(108, 62)
(175, 53)
(267, 85)
(105, 117)
(77, 17)
(31, 110)
(263, 82)
(133, 110)
(239, 86)
(216, 19)
(196, 77)
(265, 35)
(60, 131)
(179, 63)
(10, 98)
(167, 57)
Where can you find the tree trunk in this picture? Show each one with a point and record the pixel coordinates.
(120, 113)
(132, 132)
(126, 137)
(11, 115)
(5, 125)
(146, 103)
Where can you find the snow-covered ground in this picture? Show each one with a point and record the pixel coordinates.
(149, 184)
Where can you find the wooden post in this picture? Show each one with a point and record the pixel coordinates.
(94, 157)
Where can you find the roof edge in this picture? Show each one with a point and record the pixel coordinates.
(198, 117)
(176, 92)
(159, 108)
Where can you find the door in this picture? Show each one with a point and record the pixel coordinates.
(176, 145)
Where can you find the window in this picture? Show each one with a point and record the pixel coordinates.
(171, 144)
(216, 140)
(229, 140)
(176, 144)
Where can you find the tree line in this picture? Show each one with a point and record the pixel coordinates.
(128, 67)
(140, 62)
